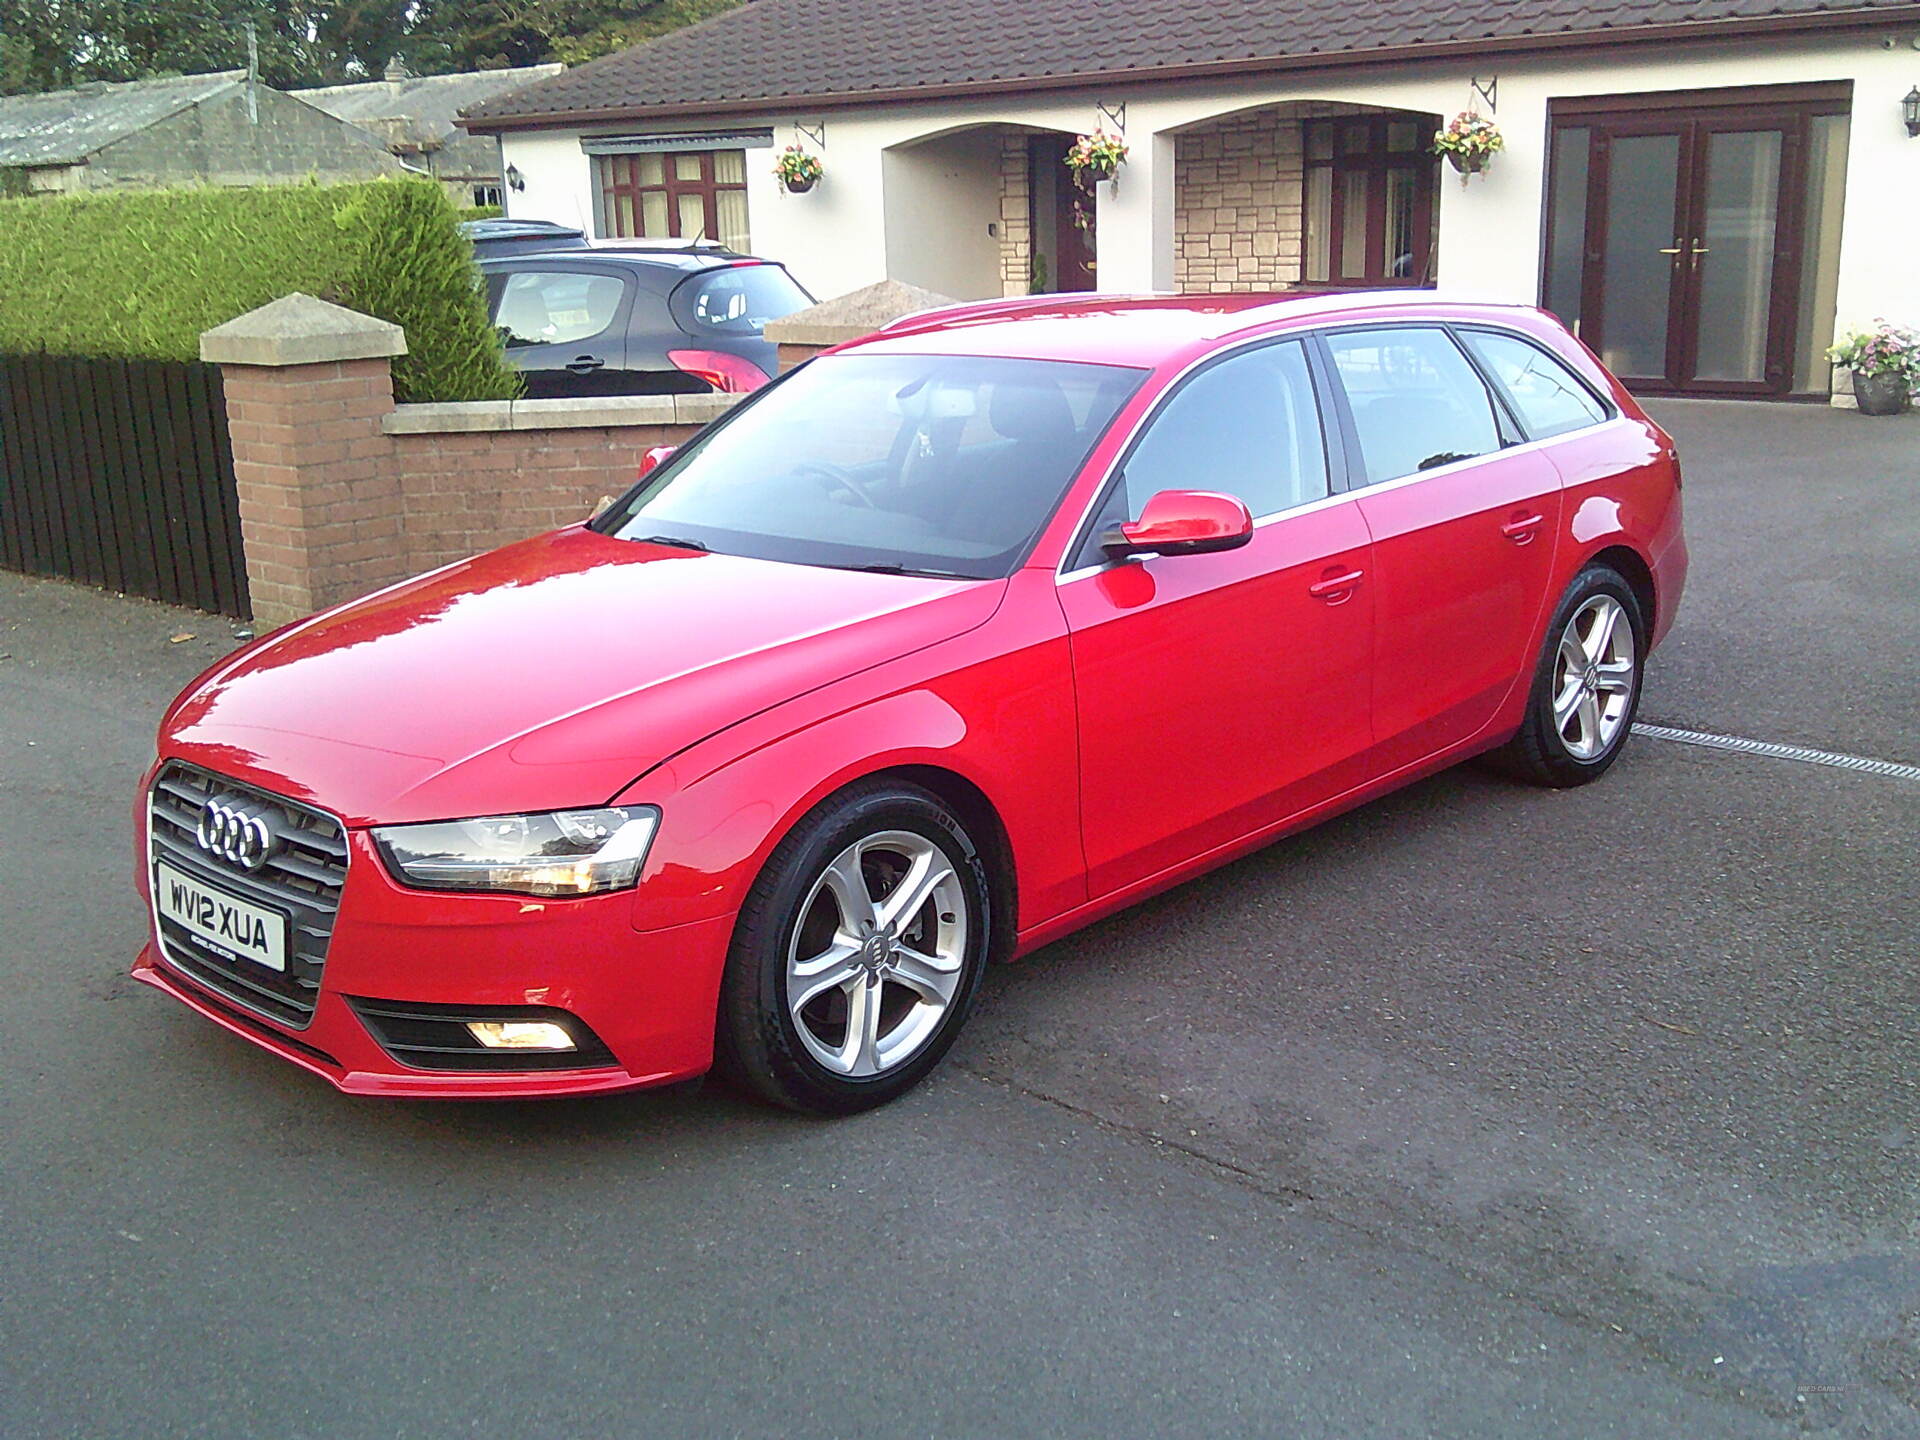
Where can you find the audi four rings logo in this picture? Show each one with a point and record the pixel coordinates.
(234, 833)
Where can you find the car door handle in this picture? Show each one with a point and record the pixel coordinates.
(1522, 528)
(585, 364)
(1335, 588)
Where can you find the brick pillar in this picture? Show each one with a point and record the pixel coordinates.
(307, 386)
(805, 333)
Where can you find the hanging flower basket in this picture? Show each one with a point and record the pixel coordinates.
(1469, 142)
(1096, 157)
(1093, 158)
(1885, 362)
(797, 170)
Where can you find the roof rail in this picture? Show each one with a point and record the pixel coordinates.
(1326, 302)
(977, 310)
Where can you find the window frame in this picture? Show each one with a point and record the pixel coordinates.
(608, 189)
(1377, 163)
(1082, 555)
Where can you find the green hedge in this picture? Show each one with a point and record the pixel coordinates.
(143, 274)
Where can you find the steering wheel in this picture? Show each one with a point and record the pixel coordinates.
(839, 476)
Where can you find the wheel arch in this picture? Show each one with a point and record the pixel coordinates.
(981, 817)
(1632, 567)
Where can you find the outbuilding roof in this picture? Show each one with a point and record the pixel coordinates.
(788, 55)
(416, 112)
(64, 127)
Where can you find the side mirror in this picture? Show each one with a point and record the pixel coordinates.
(653, 457)
(1182, 522)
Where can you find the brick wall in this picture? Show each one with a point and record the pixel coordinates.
(464, 492)
(1237, 194)
(341, 492)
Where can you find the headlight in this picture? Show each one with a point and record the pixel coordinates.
(567, 852)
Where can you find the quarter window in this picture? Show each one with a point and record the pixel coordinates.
(683, 195)
(556, 307)
(1550, 399)
(1417, 401)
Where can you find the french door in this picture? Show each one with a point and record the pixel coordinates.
(1703, 238)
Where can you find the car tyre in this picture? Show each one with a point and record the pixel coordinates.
(1586, 687)
(858, 953)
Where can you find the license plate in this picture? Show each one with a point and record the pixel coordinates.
(228, 925)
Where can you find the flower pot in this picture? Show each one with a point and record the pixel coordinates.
(1474, 164)
(797, 186)
(1884, 394)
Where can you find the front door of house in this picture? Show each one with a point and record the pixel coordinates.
(1063, 219)
(1700, 235)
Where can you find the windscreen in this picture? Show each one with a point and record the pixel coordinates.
(934, 464)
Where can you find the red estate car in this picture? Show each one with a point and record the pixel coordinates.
(948, 643)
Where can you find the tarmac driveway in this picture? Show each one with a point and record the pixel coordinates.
(1481, 1111)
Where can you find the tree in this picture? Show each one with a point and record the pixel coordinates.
(49, 44)
(492, 34)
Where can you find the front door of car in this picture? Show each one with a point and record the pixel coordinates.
(565, 326)
(1219, 693)
(1463, 522)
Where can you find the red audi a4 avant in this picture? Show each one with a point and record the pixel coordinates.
(949, 642)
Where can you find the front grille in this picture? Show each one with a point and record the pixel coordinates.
(302, 879)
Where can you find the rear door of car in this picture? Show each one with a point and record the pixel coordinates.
(1463, 513)
(1220, 693)
(565, 322)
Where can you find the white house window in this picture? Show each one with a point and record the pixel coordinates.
(1370, 200)
(486, 195)
(679, 195)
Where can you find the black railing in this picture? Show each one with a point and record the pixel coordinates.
(118, 473)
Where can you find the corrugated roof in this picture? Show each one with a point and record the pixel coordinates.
(784, 53)
(63, 127)
(418, 111)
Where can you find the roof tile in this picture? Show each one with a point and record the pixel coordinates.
(809, 51)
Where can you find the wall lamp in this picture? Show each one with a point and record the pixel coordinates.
(1911, 105)
(517, 181)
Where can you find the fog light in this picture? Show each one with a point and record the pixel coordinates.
(520, 1035)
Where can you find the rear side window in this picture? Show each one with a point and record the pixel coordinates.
(737, 300)
(556, 307)
(1417, 401)
(1550, 399)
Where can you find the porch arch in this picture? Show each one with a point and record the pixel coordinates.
(959, 205)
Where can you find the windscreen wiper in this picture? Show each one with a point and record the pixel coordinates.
(675, 541)
(894, 567)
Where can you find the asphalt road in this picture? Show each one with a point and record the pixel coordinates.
(1479, 1112)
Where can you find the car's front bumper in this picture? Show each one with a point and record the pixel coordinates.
(648, 995)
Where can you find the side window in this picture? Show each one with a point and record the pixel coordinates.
(1247, 426)
(1417, 401)
(1550, 398)
(557, 307)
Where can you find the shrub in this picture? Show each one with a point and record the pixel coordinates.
(142, 274)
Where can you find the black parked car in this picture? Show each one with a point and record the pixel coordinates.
(493, 238)
(639, 319)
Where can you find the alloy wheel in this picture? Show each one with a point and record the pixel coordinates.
(876, 957)
(1594, 674)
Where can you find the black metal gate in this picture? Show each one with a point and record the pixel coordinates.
(119, 473)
